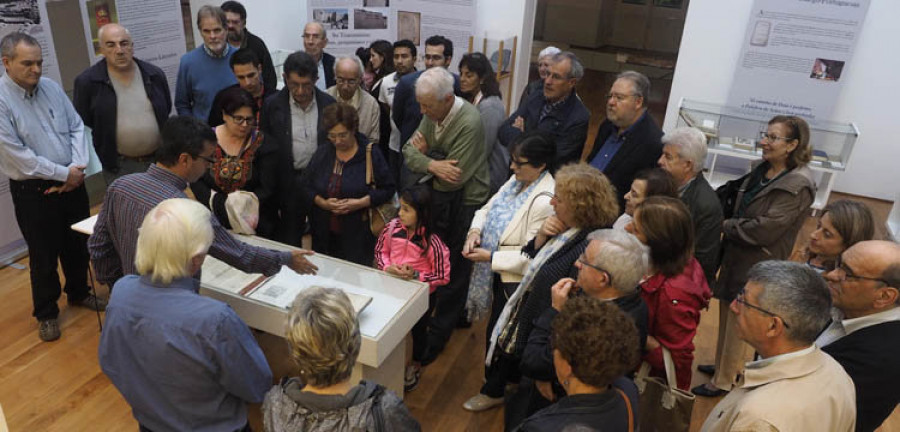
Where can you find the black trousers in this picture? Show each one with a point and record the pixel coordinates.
(45, 222)
(451, 223)
(420, 332)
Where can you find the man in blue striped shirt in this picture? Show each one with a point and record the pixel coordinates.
(43, 153)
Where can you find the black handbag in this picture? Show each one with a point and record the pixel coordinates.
(728, 193)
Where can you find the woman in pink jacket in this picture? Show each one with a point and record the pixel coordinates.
(408, 249)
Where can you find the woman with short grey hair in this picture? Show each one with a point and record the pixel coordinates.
(324, 341)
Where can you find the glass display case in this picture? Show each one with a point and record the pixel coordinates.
(733, 137)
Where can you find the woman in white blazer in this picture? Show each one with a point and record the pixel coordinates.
(508, 222)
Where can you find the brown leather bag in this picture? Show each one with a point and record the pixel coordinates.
(380, 215)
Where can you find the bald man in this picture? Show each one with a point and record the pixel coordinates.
(348, 72)
(121, 86)
(315, 39)
(864, 334)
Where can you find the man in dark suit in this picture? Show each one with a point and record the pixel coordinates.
(864, 334)
(557, 110)
(293, 117)
(683, 156)
(628, 140)
(315, 39)
(240, 37)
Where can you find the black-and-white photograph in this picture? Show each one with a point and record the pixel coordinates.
(332, 19)
(364, 19)
(20, 12)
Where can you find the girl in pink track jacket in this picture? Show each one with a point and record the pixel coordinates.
(406, 248)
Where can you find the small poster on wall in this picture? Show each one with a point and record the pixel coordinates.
(351, 24)
(794, 56)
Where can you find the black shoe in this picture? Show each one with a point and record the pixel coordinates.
(703, 390)
(707, 369)
(463, 323)
(91, 302)
(49, 330)
(430, 355)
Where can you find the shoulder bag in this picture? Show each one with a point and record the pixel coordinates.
(380, 215)
(663, 406)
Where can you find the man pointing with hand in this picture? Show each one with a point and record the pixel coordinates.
(449, 145)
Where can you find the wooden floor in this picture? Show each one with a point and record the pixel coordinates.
(58, 386)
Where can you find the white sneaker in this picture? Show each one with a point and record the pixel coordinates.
(482, 402)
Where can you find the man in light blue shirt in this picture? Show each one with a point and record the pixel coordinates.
(184, 362)
(43, 153)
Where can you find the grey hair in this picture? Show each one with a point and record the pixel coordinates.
(321, 27)
(577, 69)
(10, 41)
(639, 81)
(210, 11)
(623, 256)
(797, 294)
(548, 52)
(362, 70)
(436, 82)
(691, 144)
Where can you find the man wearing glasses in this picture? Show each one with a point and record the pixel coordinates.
(185, 154)
(629, 139)
(120, 86)
(314, 41)
(864, 334)
(794, 386)
(557, 110)
(610, 269)
(349, 72)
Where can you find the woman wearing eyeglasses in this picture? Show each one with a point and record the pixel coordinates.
(479, 86)
(242, 186)
(676, 289)
(842, 224)
(502, 227)
(770, 208)
(334, 185)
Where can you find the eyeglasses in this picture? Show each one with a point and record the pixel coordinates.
(313, 36)
(249, 121)
(740, 299)
(520, 162)
(206, 158)
(338, 135)
(846, 273)
(619, 97)
(353, 81)
(772, 138)
(583, 261)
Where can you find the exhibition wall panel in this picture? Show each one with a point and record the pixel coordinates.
(710, 49)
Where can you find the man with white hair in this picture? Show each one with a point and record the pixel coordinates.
(794, 386)
(348, 72)
(315, 39)
(182, 361)
(864, 334)
(545, 57)
(449, 144)
(120, 86)
(610, 269)
(683, 156)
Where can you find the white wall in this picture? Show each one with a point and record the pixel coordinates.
(280, 24)
(709, 52)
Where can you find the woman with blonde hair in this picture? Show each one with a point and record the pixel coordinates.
(584, 200)
(324, 341)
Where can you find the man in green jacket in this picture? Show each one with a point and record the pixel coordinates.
(448, 146)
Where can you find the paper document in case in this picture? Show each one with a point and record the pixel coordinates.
(281, 289)
(217, 274)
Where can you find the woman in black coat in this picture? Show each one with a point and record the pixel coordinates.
(334, 185)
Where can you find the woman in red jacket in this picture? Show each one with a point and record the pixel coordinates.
(676, 289)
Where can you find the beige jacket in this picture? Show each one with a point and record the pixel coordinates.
(808, 392)
(368, 110)
(507, 259)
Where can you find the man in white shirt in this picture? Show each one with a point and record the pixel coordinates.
(404, 63)
(864, 334)
(794, 386)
